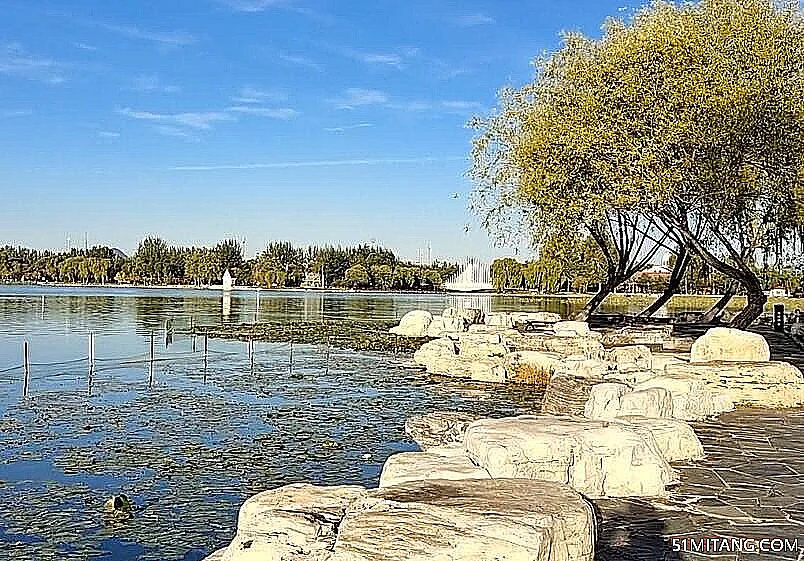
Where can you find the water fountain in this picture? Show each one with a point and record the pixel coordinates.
(473, 276)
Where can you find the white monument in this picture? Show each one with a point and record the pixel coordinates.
(228, 280)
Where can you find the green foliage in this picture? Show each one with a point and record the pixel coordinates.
(690, 116)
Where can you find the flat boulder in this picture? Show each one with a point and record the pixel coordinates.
(413, 324)
(693, 399)
(439, 428)
(579, 365)
(589, 347)
(596, 458)
(566, 394)
(656, 403)
(632, 357)
(757, 384)
(604, 400)
(471, 520)
(293, 523)
(725, 344)
(676, 439)
(571, 329)
(417, 466)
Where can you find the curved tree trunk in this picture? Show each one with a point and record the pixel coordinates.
(720, 305)
(606, 288)
(679, 270)
(755, 305)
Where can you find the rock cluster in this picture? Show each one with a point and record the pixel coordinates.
(724, 368)
(477, 519)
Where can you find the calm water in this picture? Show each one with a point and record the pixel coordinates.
(188, 442)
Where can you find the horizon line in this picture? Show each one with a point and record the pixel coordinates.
(316, 163)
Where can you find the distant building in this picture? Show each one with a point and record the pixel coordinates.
(657, 271)
(778, 292)
(313, 280)
(228, 280)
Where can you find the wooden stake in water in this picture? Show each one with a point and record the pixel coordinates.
(326, 369)
(27, 366)
(205, 350)
(151, 364)
(43, 306)
(291, 348)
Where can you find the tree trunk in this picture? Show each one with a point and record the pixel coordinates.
(720, 305)
(679, 270)
(755, 305)
(594, 303)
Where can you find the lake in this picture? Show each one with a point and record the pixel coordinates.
(189, 440)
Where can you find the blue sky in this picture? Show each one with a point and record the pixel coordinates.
(315, 121)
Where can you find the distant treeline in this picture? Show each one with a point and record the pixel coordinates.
(280, 264)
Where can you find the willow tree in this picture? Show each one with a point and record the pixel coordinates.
(689, 116)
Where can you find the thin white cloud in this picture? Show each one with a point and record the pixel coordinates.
(299, 60)
(253, 6)
(10, 113)
(85, 46)
(285, 113)
(319, 163)
(176, 132)
(152, 83)
(461, 106)
(170, 38)
(109, 134)
(191, 120)
(250, 95)
(398, 58)
(345, 128)
(357, 97)
(16, 61)
(472, 20)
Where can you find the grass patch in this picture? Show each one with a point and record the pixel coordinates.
(531, 375)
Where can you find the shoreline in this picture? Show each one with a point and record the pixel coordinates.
(686, 302)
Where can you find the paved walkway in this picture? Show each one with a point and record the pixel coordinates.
(751, 485)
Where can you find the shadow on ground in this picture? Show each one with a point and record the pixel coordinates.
(631, 530)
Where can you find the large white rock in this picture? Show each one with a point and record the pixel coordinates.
(604, 400)
(692, 399)
(596, 458)
(438, 428)
(468, 520)
(468, 315)
(499, 319)
(416, 466)
(523, 318)
(579, 365)
(432, 352)
(291, 523)
(631, 377)
(633, 357)
(413, 324)
(436, 327)
(676, 439)
(643, 335)
(725, 344)
(589, 347)
(571, 328)
(654, 403)
(660, 361)
(757, 384)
